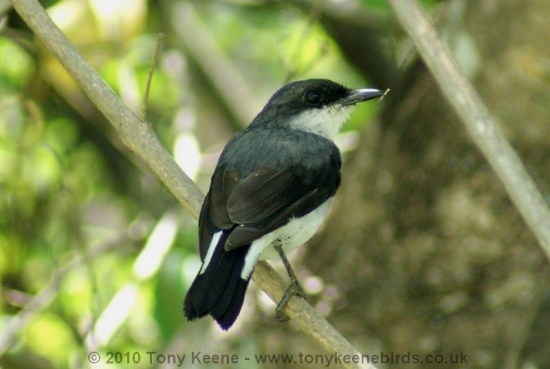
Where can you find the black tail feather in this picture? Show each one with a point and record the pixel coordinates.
(220, 290)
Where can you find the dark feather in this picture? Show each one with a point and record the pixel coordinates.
(220, 290)
(293, 175)
(252, 194)
(262, 194)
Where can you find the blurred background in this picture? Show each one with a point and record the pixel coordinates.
(422, 254)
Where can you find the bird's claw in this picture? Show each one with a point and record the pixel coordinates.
(293, 289)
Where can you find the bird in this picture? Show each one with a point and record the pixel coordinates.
(269, 193)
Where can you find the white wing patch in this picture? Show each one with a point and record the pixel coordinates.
(210, 251)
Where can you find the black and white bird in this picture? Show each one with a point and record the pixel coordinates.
(270, 191)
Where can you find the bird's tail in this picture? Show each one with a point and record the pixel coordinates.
(219, 290)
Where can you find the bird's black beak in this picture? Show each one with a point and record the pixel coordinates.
(363, 94)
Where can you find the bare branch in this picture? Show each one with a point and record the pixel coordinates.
(308, 319)
(476, 118)
(139, 137)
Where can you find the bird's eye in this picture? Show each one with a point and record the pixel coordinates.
(313, 97)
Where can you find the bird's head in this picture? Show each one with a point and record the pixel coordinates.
(315, 105)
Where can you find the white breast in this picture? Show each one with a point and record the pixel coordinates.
(292, 235)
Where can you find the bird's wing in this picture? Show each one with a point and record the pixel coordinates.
(267, 198)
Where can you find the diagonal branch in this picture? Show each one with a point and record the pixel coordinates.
(137, 135)
(140, 138)
(475, 116)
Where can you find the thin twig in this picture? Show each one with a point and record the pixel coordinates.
(483, 129)
(156, 53)
(141, 139)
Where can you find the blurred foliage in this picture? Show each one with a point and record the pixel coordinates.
(77, 210)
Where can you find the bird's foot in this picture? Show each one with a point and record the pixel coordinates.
(293, 289)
